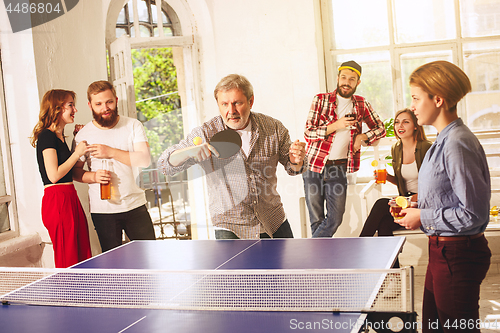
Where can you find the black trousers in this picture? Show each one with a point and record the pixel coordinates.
(137, 225)
(380, 219)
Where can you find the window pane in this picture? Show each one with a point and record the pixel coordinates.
(430, 20)
(142, 10)
(154, 13)
(376, 80)
(482, 65)
(480, 17)
(121, 17)
(3, 189)
(130, 8)
(4, 207)
(120, 32)
(166, 32)
(4, 218)
(144, 31)
(166, 20)
(410, 62)
(350, 31)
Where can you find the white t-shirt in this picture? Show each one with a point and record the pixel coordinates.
(409, 172)
(246, 136)
(125, 194)
(340, 144)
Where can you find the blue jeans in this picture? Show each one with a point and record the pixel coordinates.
(329, 186)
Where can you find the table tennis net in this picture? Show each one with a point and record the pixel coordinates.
(245, 290)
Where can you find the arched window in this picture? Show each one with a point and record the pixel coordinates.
(154, 82)
(147, 13)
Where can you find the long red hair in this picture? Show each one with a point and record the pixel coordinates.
(50, 109)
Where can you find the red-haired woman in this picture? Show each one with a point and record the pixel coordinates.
(454, 203)
(62, 213)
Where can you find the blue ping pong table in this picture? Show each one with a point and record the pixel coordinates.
(336, 253)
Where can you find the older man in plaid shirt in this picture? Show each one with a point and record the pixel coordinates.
(333, 135)
(242, 192)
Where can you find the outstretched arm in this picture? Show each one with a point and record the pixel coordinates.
(140, 157)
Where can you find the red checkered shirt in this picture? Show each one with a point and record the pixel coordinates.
(322, 114)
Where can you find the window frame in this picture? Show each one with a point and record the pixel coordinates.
(395, 50)
(192, 110)
(150, 25)
(10, 197)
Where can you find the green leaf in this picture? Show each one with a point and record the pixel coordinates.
(389, 127)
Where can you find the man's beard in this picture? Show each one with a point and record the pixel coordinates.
(106, 122)
(348, 95)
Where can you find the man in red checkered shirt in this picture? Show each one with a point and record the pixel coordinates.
(334, 137)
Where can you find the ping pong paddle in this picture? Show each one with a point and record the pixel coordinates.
(226, 142)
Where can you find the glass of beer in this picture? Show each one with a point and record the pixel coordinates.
(381, 175)
(380, 172)
(399, 204)
(105, 188)
(494, 213)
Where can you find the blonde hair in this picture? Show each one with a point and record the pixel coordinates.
(50, 109)
(443, 79)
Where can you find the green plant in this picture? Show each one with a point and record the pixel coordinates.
(157, 99)
(389, 130)
(389, 127)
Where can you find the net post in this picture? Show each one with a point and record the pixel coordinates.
(404, 286)
(412, 291)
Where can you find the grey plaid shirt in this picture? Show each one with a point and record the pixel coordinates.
(242, 189)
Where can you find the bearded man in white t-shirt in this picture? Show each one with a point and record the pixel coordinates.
(118, 148)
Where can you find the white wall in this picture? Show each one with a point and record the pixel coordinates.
(21, 98)
(274, 43)
(66, 53)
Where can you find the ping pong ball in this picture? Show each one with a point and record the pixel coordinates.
(197, 141)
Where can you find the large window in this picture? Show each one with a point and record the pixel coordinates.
(8, 215)
(158, 105)
(391, 38)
